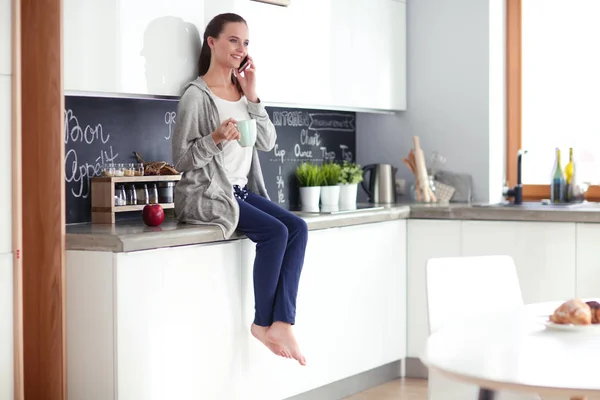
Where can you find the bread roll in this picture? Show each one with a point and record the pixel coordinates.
(595, 307)
(574, 312)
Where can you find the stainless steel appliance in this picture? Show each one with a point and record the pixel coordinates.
(380, 184)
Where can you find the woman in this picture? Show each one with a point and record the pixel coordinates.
(222, 182)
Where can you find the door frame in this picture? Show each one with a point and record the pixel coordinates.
(42, 230)
(16, 201)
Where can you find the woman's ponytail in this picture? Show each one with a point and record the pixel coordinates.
(204, 60)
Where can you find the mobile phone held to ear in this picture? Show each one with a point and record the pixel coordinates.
(243, 64)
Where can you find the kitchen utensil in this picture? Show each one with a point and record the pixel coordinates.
(380, 185)
(410, 163)
(421, 171)
(443, 192)
(436, 161)
(462, 183)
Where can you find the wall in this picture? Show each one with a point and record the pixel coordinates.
(454, 94)
(6, 273)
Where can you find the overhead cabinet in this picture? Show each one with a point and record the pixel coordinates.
(316, 53)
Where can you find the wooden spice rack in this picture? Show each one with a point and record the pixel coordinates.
(103, 195)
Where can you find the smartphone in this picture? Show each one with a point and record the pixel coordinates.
(243, 64)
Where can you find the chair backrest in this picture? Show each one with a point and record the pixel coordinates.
(461, 287)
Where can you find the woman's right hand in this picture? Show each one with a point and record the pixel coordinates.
(226, 131)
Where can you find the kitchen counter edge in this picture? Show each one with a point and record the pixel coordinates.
(476, 213)
(122, 238)
(136, 237)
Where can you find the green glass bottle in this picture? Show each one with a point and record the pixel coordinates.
(558, 187)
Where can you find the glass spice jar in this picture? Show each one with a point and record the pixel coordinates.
(131, 195)
(108, 169)
(118, 170)
(165, 192)
(120, 196)
(142, 194)
(153, 194)
(129, 170)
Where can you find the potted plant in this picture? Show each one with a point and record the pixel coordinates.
(351, 175)
(309, 179)
(330, 191)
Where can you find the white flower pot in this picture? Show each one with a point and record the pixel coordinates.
(330, 196)
(327, 209)
(348, 194)
(309, 198)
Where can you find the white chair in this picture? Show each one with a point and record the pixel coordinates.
(486, 284)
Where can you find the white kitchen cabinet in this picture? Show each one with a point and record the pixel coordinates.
(131, 46)
(352, 301)
(544, 254)
(5, 37)
(175, 322)
(312, 53)
(397, 68)
(178, 322)
(588, 261)
(425, 239)
(305, 63)
(6, 327)
(379, 50)
(292, 49)
(158, 324)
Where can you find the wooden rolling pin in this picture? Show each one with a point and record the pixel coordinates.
(411, 167)
(421, 171)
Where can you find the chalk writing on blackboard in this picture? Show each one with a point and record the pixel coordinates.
(331, 122)
(80, 173)
(170, 121)
(305, 136)
(346, 154)
(309, 148)
(280, 188)
(290, 118)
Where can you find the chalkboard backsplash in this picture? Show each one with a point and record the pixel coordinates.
(101, 130)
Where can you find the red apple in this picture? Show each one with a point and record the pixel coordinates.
(153, 214)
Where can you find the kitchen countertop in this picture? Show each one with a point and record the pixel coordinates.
(541, 213)
(135, 236)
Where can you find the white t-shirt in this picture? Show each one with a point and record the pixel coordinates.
(237, 158)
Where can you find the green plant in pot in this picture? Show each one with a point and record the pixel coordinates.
(351, 175)
(309, 179)
(330, 190)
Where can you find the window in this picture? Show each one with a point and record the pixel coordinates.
(553, 85)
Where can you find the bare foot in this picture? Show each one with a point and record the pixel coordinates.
(260, 332)
(281, 334)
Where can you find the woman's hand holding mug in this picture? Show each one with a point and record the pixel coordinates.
(226, 131)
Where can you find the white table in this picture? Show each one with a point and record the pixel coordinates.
(514, 351)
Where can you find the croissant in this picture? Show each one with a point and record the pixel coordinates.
(574, 312)
(156, 167)
(168, 170)
(595, 308)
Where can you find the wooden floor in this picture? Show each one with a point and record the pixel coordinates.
(400, 389)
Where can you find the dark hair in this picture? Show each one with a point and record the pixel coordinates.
(214, 29)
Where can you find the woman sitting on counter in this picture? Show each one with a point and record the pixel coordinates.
(221, 124)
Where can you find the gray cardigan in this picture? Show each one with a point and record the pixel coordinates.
(204, 195)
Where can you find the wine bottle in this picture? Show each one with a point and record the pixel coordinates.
(569, 176)
(558, 188)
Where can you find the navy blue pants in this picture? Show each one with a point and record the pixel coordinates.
(280, 238)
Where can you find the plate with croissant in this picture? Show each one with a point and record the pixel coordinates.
(575, 315)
